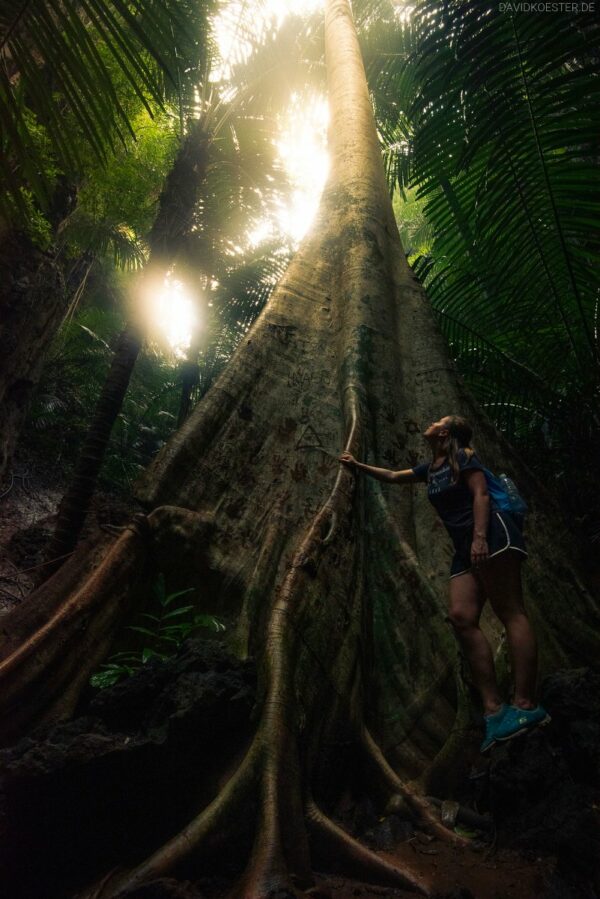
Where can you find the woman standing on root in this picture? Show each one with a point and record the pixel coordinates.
(489, 550)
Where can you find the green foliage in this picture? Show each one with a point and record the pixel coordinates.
(81, 355)
(21, 204)
(33, 221)
(73, 377)
(146, 420)
(66, 63)
(117, 204)
(236, 301)
(416, 231)
(164, 629)
(116, 209)
(489, 127)
(494, 119)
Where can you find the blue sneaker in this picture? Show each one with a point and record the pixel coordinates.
(492, 723)
(516, 721)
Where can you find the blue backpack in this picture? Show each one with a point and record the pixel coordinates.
(505, 495)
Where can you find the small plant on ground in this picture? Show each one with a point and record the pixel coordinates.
(164, 629)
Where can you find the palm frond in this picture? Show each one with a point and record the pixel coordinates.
(71, 63)
(101, 237)
(502, 144)
(282, 62)
(237, 301)
(504, 114)
(494, 120)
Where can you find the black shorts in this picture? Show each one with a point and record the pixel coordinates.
(503, 534)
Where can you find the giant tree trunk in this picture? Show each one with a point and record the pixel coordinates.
(337, 582)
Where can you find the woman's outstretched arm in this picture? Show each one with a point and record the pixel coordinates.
(381, 474)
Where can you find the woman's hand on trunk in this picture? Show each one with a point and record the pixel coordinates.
(348, 460)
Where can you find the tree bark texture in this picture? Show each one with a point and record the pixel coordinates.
(337, 583)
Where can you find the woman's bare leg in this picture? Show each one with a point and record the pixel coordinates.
(501, 579)
(466, 603)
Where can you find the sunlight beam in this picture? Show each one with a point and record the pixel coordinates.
(174, 314)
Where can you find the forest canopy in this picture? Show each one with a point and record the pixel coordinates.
(238, 239)
(488, 129)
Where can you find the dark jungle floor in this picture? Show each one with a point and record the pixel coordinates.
(174, 729)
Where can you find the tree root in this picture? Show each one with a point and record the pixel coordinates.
(271, 868)
(280, 857)
(95, 892)
(51, 645)
(419, 806)
(358, 861)
(445, 760)
(41, 676)
(268, 780)
(214, 824)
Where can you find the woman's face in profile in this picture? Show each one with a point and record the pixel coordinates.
(437, 428)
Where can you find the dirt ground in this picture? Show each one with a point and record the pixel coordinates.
(448, 874)
(460, 874)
